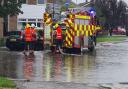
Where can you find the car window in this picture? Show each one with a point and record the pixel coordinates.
(14, 33)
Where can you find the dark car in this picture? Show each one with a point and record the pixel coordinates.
(39, 44)
(14, 41)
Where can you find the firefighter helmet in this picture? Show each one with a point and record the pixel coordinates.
(56, 25)
(33, 25)
(28, 26)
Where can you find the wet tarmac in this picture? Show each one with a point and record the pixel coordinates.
(107, 64)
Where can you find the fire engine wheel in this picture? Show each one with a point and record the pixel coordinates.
(92, 47)
(53, 49)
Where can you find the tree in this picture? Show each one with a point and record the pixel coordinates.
(63, 4)
(113, 11)
(103, 12)
(121, 11)
(9, 8)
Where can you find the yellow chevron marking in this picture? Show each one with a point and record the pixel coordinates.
(80, 26)
(86, 33)
(85, 28)
(75, 27)
(90, 33)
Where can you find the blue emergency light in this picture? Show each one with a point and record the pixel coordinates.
(67, 3)
(92, 12)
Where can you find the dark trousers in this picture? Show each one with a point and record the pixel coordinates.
(29, 45)
(58, 43)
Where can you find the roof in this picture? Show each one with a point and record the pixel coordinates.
(32, 11)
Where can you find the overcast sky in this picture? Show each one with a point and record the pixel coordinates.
(80, 1)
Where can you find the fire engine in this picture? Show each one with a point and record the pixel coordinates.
(79, 31)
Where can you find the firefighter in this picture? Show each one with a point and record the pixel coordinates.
(34, 35)
(28, 39)
(58, 37)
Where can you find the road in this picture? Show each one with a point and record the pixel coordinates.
(106, 65)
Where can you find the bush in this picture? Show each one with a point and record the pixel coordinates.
(5, 83)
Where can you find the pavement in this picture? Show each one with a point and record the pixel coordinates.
(67, 85)
(55, 85)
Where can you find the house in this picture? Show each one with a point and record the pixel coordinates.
(33, 13)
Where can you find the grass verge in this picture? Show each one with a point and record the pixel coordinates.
(111, 38)
(6, 84)
(2, 42)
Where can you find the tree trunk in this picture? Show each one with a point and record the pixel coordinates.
(110, 32)
(5, 25)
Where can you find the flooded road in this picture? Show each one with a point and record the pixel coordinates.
(108, 64)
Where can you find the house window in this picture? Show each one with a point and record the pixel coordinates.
(24, 1)
(40, 2)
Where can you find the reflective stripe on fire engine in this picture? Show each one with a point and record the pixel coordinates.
(98, 28)
(93, 27)
(80, 28)
(69, 38)
(91, 33)
(86, 30)
(77, 33)
(86, 33)
(82, 17)
(75, 27)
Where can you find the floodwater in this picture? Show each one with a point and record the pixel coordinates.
(107, 64)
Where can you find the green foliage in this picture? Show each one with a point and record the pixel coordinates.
(72, 5)
(2, 42)
(111, 12)
(10, 7)
(63, 8)
(111, 38)
(5, 83)
(100, 15)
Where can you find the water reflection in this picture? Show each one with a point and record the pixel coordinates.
(47, 66)
(68, 68)
(28, 67)
(57, 67)
(102, 66)
(8, 64)
(48, 62)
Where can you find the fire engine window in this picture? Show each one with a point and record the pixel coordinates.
(77, 21)
(86, 22)
(82, 21)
